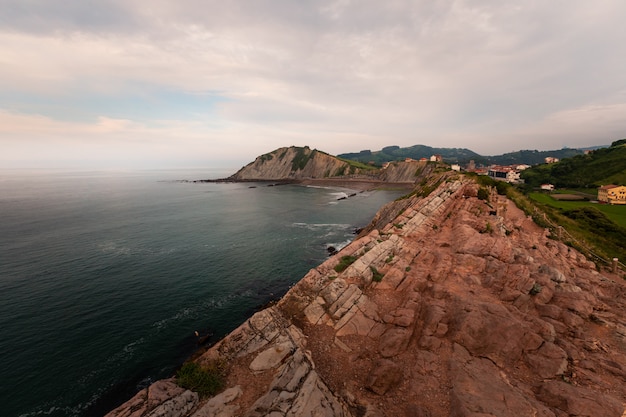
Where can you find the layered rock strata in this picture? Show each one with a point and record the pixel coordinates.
(292, 163)
(296, 164)
(457, 307)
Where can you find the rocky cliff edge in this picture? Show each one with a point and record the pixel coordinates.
(457, 307)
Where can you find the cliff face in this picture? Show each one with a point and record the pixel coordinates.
(406, 171)
(292, 163)
(450, 309)
(295, 163)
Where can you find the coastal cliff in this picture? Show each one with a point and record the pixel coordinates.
(446, 305)
(294, 163)
(305, 164)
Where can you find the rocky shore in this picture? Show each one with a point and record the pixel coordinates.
(447, 305)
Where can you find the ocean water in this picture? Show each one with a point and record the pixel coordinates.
(105, 276)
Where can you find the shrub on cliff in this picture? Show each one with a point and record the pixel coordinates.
(345, 262)
(205, 380)
(483, 194)
(376, 276)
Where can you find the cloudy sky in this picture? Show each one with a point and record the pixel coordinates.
(164, 83)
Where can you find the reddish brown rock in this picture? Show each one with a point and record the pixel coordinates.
(384, 376)
(578, 401)
(468, 320)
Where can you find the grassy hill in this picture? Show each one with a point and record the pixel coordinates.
(457, 155)
(396, 153)
(600, 167)
(532, 157)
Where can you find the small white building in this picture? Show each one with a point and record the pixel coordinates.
(513, 177)
(547, 187)
(455, 167)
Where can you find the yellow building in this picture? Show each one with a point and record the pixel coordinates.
(612, 194)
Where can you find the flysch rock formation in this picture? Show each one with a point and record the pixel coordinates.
(478, 313)
(296, 164)
(292, 163)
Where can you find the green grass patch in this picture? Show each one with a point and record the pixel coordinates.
(590, 193)
(345, 262)
(358, 165)
(206, 380)
(585, 221)
(376, 276)
(483, 194)
(616, 213)
(302, 157)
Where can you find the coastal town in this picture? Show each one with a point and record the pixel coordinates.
(607, 194)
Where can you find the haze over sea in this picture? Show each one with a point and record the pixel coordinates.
(105, 276)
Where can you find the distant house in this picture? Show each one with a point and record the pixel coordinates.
(436, 158)
(522, 167)
(612, 194)
(547, 187)
(455, 167)
(498, 173)
(513, 177)
(505, 173)
(550, 159)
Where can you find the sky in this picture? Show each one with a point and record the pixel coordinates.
(156, 83)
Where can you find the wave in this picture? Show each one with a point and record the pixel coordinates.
(339, 245)
(195, 311)
(318, 226)
(125, 250)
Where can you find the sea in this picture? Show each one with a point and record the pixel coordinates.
(105, 276)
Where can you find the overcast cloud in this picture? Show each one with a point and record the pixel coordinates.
(149, 83)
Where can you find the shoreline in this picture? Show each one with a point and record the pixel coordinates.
(357, 184)
(200, 348)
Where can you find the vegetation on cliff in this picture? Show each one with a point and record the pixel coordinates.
(599, 167)
(586, 228)
(206, 380)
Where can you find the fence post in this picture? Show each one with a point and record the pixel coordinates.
(615, 260)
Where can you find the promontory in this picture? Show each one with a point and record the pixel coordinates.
(447, 304)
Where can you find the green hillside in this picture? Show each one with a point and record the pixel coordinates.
(457, 155)
(600, 167)
(396, 153)
(595, 230)
(532, 157)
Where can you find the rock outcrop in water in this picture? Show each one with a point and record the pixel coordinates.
(454, 307)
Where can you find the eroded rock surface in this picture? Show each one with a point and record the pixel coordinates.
(476, 314)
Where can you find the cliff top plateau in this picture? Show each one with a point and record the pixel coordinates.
(447, 305)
